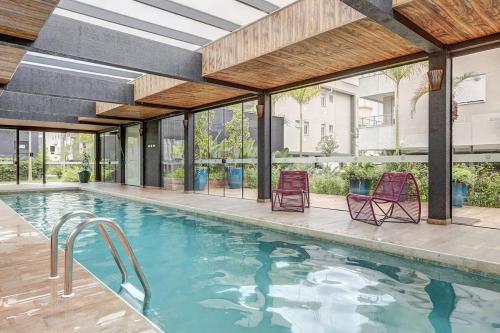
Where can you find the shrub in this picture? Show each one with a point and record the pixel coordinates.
(70, 175)
(328, 182)
(463, 174)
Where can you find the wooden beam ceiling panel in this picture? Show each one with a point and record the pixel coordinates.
(158, 90)
(452, 21)
(103, 121)
(9, 60)
(24, 19)
(309, 39)
(130, 111)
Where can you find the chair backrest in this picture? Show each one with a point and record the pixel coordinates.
(392, 186)
(294, 180)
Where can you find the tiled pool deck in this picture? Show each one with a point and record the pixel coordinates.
(32, 303)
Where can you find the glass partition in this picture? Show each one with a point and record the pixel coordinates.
(110, 157)
(226, 151)
(172, 153)
(8, 157)
(133, 155)
(30, 157)
(346, 133)
(63, 153)
(476, 139)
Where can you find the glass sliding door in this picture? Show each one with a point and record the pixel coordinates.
(133, 155)
(110, 157)
(216, 163)
(201, 151)
(249, 150)
(8, 158)
(30, 157)
(172, 153)
(64, 153)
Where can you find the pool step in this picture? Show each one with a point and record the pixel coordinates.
(132, 295)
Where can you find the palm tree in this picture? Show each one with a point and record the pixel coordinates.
(398, 74)
(303, 96)
(424, 89)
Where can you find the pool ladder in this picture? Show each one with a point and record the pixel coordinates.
(101, 223)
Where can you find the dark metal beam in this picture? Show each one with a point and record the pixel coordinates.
(74, 39)
(475, 45)
(262, 5)
(44, 108)
(264, 150)
(440, 127)
(191, 13)
(131, 22)
(36, 80)
(381, 12)
(68, 65)
(97, 154)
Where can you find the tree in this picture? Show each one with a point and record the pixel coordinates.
(398, 74)
(303, 96)
(327, 145)
(424, 89)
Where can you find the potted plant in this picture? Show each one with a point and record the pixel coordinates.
(359, 176)
(200, 178)
(462, 179)
(84, 173)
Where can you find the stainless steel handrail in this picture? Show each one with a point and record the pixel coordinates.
(54, 238)
(101, 223)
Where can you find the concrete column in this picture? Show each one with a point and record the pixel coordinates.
(264, 148)
(440, 127)
(151, 154)
(189, 151)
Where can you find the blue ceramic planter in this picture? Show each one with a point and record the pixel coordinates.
(234, 177)
(200, 179)
(359, 186)
(459, 193)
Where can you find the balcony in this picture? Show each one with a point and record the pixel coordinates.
(376, 121)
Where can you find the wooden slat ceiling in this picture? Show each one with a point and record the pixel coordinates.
(307, 39)
(165, 91)
(130, 111)
(52, 125)
(22, 19)
(453, 21)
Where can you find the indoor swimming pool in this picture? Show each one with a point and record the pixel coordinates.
(211, 275)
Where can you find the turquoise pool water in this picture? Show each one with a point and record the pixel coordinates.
(217, 276)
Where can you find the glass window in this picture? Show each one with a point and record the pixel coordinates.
(172, 153)
(133, 155)
(331, 99)
(8, 158)
(328, 156)
(323, 101)
(476, 139)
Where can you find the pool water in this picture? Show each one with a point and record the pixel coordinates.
(209, 275)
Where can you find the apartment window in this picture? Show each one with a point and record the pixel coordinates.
(330, 128)
(323, 130)
(471, 90)
(331, 99)
(323, 100)
(306, 128)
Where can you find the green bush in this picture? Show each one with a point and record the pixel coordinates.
(328, 182)
(463, 174)
(70, 175)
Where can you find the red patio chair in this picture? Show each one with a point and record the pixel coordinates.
(396, 197)
(292, 193)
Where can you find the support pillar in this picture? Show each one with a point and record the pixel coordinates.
(123, 147)
(97, 154)
(188, 124)
(264, 148)
(440, 131)
(44, 157)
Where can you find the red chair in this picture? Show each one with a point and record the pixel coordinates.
(292, 193)
(396, 197)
